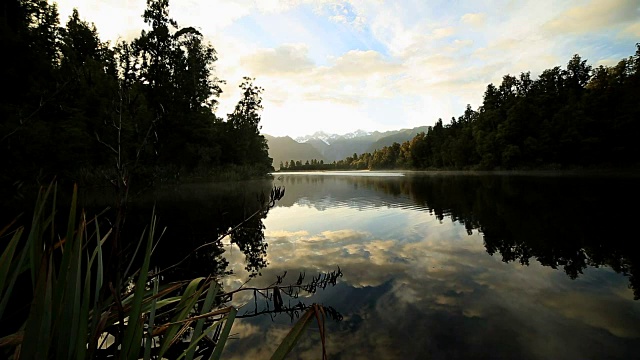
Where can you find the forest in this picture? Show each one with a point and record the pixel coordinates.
(89, 111)
(573, 118)
(77, 110)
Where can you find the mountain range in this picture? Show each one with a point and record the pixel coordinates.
(333, 147)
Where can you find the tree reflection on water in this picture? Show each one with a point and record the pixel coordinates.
(563, 222)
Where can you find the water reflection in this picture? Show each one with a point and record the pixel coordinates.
(192, 215)
(418, 282)
(558, 221)
(432, 264)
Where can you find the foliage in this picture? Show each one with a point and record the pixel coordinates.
(142, 104)
(77, 312)
(575, 117)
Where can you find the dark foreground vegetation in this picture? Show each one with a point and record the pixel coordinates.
(576, 117)
(76, 284)
(78, 294)
(89, 111)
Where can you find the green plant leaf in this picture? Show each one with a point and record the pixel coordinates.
(294, 334)
(224, 335)
(37, 338)
(194, 342)
(9, 272)
(35, 242)
(6, 258)
(133, 334)
(187, 302)
(83, 315)
(206, 307)
(152, 317)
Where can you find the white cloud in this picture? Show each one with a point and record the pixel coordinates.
(607, 62)
(424, 60)
(361, 64)
(595, 16)
(441, 33)
(632, 30)
(103, 13)
(444, 274)
(287, 58)
(474, 19)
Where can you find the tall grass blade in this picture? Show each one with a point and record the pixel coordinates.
(95, 311)
(206, 307)
(133, 259)
(187, 302)
(194, 344)
(9, 269)
(293, 336)
(97, 256)
(34, 241)
(9, 225)
(152, 318)
(6, 258)
(37, 339)
(73, 314)
(68, 289)
(133, 334)
(83, 330)
(224, 335)
(69, 239)
(72, 213)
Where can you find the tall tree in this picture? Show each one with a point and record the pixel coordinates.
(250, 146)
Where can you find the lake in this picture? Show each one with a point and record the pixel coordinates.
(439, 265)
(453, 265)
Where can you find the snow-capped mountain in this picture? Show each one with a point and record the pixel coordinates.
(330, 138)
(333, 147)
(355, 134)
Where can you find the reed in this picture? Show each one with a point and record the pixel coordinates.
(76, 312)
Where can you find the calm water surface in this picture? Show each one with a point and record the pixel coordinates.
(434, 265)
(452, 266)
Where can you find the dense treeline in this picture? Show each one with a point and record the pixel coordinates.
(75, 106)
(575, 117)
(315, 164)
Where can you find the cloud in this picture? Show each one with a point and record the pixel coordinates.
(283, 234)
(594, 16)
(607, 62)
(435, 62)
(287, 58)
(357, 63)
(425, 60)
(296, 86)
(632, 30)
(474, 19)
(275, 6)
(445, 289)
(213, 15)
(103, 13)
(588, 310)
(460, 44)
(344, 13)
(344, 235)
(441, 33)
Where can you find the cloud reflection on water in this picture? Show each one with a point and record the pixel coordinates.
(433, 291)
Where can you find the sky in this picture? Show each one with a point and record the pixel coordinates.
(341, 65)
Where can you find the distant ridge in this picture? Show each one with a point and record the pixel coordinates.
(329, 138)
(399, 136)
(333, 147)
(286, 149)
